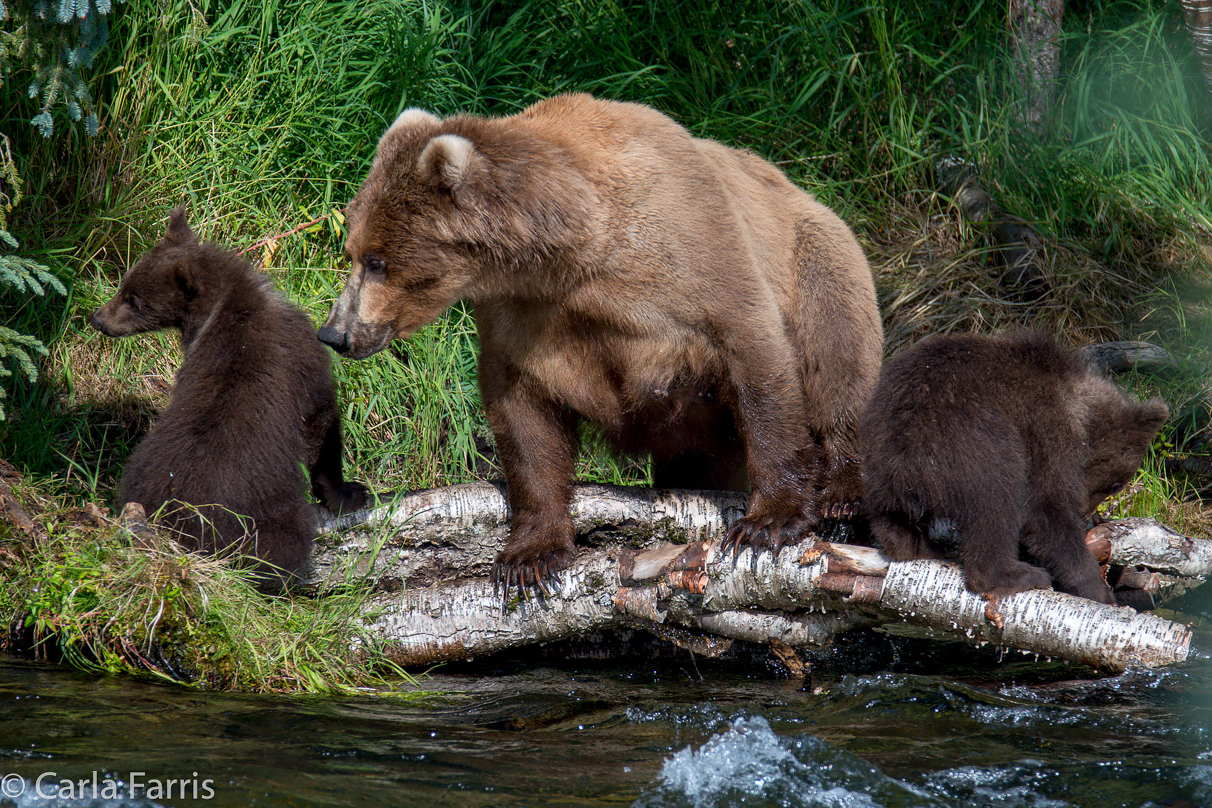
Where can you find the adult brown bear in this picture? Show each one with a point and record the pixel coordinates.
(1012, 440)
(681, 295)
(253, 399)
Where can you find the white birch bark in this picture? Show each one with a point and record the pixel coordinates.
(456, 532)
(1146, 543)
(442, 624)
(802, 598)
(1053, 624)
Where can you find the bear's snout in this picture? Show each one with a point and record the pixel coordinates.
(337, 340)
(98, 322)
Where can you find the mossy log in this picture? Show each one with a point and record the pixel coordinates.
(650, 558)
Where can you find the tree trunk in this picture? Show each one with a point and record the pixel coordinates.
(439, 544)
(1034, 28)
(1199, 26)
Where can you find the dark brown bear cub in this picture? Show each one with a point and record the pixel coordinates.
(1011, 439)
(253, 398)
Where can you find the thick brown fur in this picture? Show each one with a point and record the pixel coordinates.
(683, 296)
(1012, 440)
(253, 399)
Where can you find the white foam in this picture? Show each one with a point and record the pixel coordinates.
(749, 759)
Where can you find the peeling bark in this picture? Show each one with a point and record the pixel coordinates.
(1146, 543)
(690, 593)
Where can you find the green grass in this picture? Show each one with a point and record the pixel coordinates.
(263, 116)
(123, 600)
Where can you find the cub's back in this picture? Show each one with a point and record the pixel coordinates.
(232, 431)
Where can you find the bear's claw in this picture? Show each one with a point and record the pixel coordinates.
(514, 570)
(771, 533)
(841, 511)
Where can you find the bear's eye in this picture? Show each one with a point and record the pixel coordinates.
(374, 263)
(135, 303)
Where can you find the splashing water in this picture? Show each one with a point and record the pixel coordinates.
(749, 760)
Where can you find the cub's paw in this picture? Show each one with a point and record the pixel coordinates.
(1017, 576)
(352, 497)
(345, 498)
(531, 561)
(1095, 590)
(770, 531)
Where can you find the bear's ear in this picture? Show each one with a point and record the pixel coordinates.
(183, 276)
(1152, 414)
(414, 117)
(179, 230)
(453, 166)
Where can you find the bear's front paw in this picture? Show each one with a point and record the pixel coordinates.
(352, 497)
(1094, 589)
(769, 531)
(842, 497)
(531, 560)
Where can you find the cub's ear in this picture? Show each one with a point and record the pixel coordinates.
(178, 229)
(183, 275)
(453, 166)
(1152, 414)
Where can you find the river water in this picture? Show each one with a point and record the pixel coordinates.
(913, 724)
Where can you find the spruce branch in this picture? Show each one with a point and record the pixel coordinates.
(63, 40)
(19, 275)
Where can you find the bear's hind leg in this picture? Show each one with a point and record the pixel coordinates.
(282, 543)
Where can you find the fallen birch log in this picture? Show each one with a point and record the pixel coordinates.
(455, 532)
(439, 544)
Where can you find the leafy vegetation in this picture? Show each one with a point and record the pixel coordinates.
(263, 116)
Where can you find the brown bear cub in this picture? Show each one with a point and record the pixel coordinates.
(1011, 440)
(253, 399)
(681, 295)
